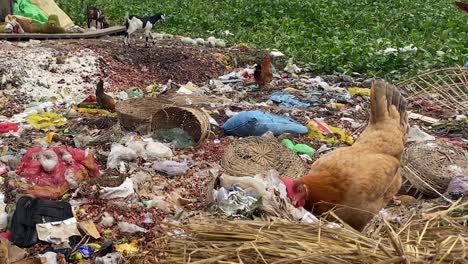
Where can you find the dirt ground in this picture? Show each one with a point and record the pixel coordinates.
(140, 66)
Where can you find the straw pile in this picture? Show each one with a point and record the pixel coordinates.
(428, 238)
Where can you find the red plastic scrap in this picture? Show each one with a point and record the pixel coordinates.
(53, 184)
(8, 127)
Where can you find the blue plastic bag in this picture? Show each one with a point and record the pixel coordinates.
(287, 100)
(257, 123)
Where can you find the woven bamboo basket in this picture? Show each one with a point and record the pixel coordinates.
(195, 122)
(446, 87)
(135, 114)
(429, 166)
(257, 155)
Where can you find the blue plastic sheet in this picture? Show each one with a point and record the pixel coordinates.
(257, 123)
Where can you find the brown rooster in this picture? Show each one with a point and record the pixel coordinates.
(104, 100)
(262, 74)
(462, 5)
(358, 181)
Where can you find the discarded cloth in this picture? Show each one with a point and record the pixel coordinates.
(51, 172)
(287, 100)
(257, 123)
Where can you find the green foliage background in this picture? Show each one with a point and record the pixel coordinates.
(327, 35)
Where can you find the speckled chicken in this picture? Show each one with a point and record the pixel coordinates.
(104, 100)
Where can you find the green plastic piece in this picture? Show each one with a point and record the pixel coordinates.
(298, 148)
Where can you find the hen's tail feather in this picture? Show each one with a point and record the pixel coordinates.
(383, 97)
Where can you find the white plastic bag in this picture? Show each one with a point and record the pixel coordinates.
(157, 150)
(111, 258)
(122, 191)
(170, 167)
(139, 147)
(130, 228)
(120, 153)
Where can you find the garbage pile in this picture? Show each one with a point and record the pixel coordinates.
(82, 183)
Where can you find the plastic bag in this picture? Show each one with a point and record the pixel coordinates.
(118, 154)
(111, 258)
(122, 191)
(178, 136)
(298, 148)
(287, 100)
(256, 123)
(8, 127)
(27, 9)
(359, 91)
(46, 120)
(320, 130)
(158, 203)
(130, 228)
(157, 150)
(170, 167)
(93, 111)
(415, 134)
(45, 170)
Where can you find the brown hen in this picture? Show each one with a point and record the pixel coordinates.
(104, 100)
(262, 74)
(358, 181)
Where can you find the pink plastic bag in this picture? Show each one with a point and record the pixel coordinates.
(51, 172)
(8, 127)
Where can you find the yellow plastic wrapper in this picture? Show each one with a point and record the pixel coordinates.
(359, 91)
(46, 120)
(49, 138)
(94, 111)
(316, 133)
(127, 248)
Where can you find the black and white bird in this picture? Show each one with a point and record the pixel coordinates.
(133, 23)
